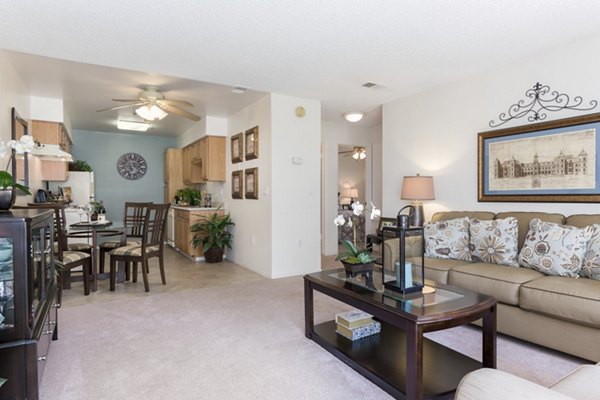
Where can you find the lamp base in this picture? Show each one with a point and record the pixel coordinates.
(418, 217)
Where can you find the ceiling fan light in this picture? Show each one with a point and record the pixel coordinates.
(133, 125)
(151, 112)
(353, 116)
(359, 153)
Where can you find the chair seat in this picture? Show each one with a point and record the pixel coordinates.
(113, 244)
(135, 250)
(73, 256)
(79, 246)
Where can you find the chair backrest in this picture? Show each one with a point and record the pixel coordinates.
(60, 229)
(133, 218)
(155, 223)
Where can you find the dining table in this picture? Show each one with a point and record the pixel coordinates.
(96, 230)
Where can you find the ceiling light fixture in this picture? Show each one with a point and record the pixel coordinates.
(133, 125)
(151, 112)
(353, 116)
(359, 153)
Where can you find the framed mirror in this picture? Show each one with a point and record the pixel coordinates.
(19, 128)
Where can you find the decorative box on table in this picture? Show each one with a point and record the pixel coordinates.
(405, 282)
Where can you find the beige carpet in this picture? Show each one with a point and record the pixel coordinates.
(240, 341)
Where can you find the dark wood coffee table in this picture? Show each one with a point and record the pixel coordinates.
(399, 359)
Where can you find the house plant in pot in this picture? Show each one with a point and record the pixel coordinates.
(213, 235)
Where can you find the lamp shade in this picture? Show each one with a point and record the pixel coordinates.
(352, 193)
(417, 188)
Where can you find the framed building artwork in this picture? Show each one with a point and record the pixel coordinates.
(237, 148)
(237, 185)
(251, 183)
(555, 161)
(252, 143)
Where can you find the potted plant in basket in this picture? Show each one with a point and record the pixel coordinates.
(356, 261)
(211, 232)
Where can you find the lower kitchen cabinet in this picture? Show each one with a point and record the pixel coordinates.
(184, 219)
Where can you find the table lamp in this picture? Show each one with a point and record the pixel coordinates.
(417, 188)
(352, 193)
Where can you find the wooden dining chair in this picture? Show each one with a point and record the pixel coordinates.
(153, 239)
(69, 258)
(133, 219)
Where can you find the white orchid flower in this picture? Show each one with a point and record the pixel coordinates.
(349, 223)
(24, 145)
(375, 212)
(357, 208)
(339, 220)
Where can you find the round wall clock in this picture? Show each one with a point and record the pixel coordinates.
(132, 166)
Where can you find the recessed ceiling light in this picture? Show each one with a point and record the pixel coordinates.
(238, 90)
(133, 125)
(353, 116)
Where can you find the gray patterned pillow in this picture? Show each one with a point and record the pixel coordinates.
(494, 241)
(554, 249)
(448, 239)
(591, 260)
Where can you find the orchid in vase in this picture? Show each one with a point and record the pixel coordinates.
(24, 145)
(354, 255)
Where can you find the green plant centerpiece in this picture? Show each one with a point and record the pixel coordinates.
(189, 196)
(80, 165)
(213, 235)
(356, 261)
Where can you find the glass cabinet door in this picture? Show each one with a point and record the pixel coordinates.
(7, 284)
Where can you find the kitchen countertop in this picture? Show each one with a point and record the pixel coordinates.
(193, 208)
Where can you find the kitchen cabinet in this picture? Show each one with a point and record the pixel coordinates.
(184, 219)
(47, 132)
(28, 300)
(204, 160)
(173, 175)
(186, 170)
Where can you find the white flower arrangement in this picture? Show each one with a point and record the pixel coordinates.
(355, 255)
(24, 145)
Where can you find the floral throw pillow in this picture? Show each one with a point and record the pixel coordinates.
(554, 249)
(591, 260)
(494, 241)
(448, 239)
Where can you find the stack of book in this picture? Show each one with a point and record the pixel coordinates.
(356, 324)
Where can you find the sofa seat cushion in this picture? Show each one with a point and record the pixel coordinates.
(436, 269)
(499, 281)
(575, 300)
(581, 384)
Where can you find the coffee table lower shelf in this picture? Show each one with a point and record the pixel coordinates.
(381, 358)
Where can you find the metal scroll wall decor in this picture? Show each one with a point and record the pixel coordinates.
(542, 100)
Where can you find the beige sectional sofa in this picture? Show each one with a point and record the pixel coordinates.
(553, 311)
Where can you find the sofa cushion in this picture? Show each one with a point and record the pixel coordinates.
(581, 384)
(523, 219)
(575, 300)
(448, 239)
(436, 269)
(494, 241)
(447, 215)
(554, 249)
(582, 220)
(498, 281)
(591, 259)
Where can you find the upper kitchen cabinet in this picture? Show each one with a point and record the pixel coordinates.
(47, 132)
(204, 160)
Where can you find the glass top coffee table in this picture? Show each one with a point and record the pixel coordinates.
(399, 359)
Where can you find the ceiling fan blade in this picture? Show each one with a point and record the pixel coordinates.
(174, 102)
(126, 100)
(178, 111)
(139, 103)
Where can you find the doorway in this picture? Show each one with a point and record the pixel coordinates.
(352, 187)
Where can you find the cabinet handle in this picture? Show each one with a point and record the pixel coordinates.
(42, 358)
(51, 323)
(49, 332)
(57, 305)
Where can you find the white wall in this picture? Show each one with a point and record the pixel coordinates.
(46, 109)
(333, 134)
(252, 233)
(295, 186)
(435, 133)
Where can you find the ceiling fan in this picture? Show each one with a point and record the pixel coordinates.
(153, 105)
(358, 153)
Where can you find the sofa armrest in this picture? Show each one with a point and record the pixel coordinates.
(493, 384)
(414, 248)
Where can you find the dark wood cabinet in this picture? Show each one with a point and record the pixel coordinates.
(28, 300)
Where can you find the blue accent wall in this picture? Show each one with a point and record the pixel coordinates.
(102, 150)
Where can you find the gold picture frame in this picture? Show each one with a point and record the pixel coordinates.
(237, 185)
(252, 143)
(237, 148)
(550, 161)
(251, 184)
